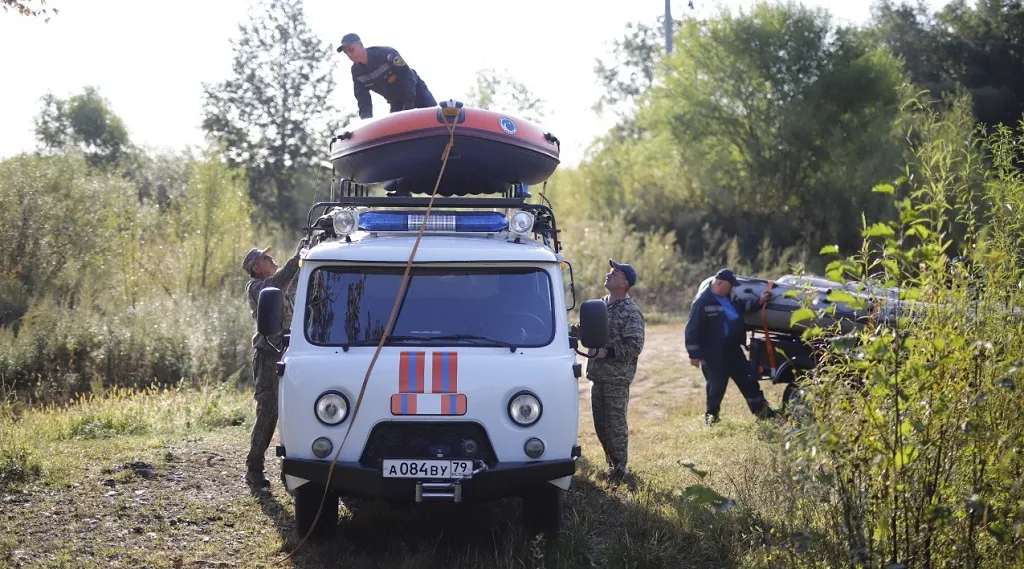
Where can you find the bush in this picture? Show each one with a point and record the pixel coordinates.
(914, 454)
(60, 352)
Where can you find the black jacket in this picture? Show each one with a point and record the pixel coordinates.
(705, 331)
(386, 74)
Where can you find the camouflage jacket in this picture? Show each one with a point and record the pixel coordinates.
(625, 342)
(283, 279)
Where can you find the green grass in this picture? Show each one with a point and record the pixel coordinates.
(154, 478)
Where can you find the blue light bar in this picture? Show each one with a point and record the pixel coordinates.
(450, 221)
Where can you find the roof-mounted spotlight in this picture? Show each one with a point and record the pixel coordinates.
(521, 223)
(346, 222)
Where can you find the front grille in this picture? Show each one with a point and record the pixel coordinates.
(462, 440)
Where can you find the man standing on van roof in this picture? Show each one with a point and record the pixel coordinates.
(715, 335)
(613, 367)
(382, 70)
(264, 272)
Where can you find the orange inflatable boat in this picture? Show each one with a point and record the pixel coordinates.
(493, 151)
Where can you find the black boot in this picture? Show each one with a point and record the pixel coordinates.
(256, 479)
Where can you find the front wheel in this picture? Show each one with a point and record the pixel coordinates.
(307, 503)
(542, 511)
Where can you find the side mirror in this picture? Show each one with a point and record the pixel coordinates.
(594, 323)
(270, 312)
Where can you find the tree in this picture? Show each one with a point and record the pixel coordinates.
(977, 49)
(499, 91)
(771, 125)
(84, 121)
(632, 69)
(271, 118)
(24, 7)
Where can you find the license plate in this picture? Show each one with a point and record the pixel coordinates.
(414, 468)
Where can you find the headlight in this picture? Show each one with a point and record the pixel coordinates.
(521, 222)
(346, 221)
(331, 408)
(524, 408)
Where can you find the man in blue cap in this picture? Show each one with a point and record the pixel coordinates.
(382, 70)
(715, 336)
(612, 368)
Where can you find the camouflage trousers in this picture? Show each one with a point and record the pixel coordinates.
(609, 402)
(264, 371)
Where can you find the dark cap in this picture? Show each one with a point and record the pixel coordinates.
(349, 39)
(627, 270)
(727, 276)
(252, 256)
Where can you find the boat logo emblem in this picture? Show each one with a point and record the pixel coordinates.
(507, 125)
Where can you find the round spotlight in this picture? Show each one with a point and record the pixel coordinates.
(521, 222)
(346, 221)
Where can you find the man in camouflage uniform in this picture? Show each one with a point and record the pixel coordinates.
(611, 368)
(264, 272)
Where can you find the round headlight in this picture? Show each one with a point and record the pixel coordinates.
(346, 221)
(524, 408)
(521, 222)
(331, 408)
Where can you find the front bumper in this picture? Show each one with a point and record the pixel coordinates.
(502, 480)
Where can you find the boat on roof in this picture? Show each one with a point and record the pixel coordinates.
(493, 151)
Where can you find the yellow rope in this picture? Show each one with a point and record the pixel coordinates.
(447, 112)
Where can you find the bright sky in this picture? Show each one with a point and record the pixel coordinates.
(149, 58)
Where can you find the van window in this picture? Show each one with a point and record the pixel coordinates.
(471, 306)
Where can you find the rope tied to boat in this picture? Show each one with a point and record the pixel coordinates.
(450, 114)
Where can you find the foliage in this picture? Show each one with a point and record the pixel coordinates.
(634, 59)
(913, 455)
(25, 8)
(500, 91)
(271, 116)
(100, 290)
(974, 48)
(772, 143)
(86, 122)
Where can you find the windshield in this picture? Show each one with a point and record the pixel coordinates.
(479, 306)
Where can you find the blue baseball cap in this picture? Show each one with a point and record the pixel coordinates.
(727, 276)
(348, 39)
(627, 270)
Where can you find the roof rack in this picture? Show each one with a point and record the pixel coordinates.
(544, 224)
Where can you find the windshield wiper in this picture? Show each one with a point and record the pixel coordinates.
(464, 337)
(474, 338)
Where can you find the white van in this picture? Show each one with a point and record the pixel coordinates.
(474, 394)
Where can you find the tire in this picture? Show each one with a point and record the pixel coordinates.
(542, 511)
(794, 404)
(307, 502)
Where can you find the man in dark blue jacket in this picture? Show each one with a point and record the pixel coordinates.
(715, 335)
(383, 71)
